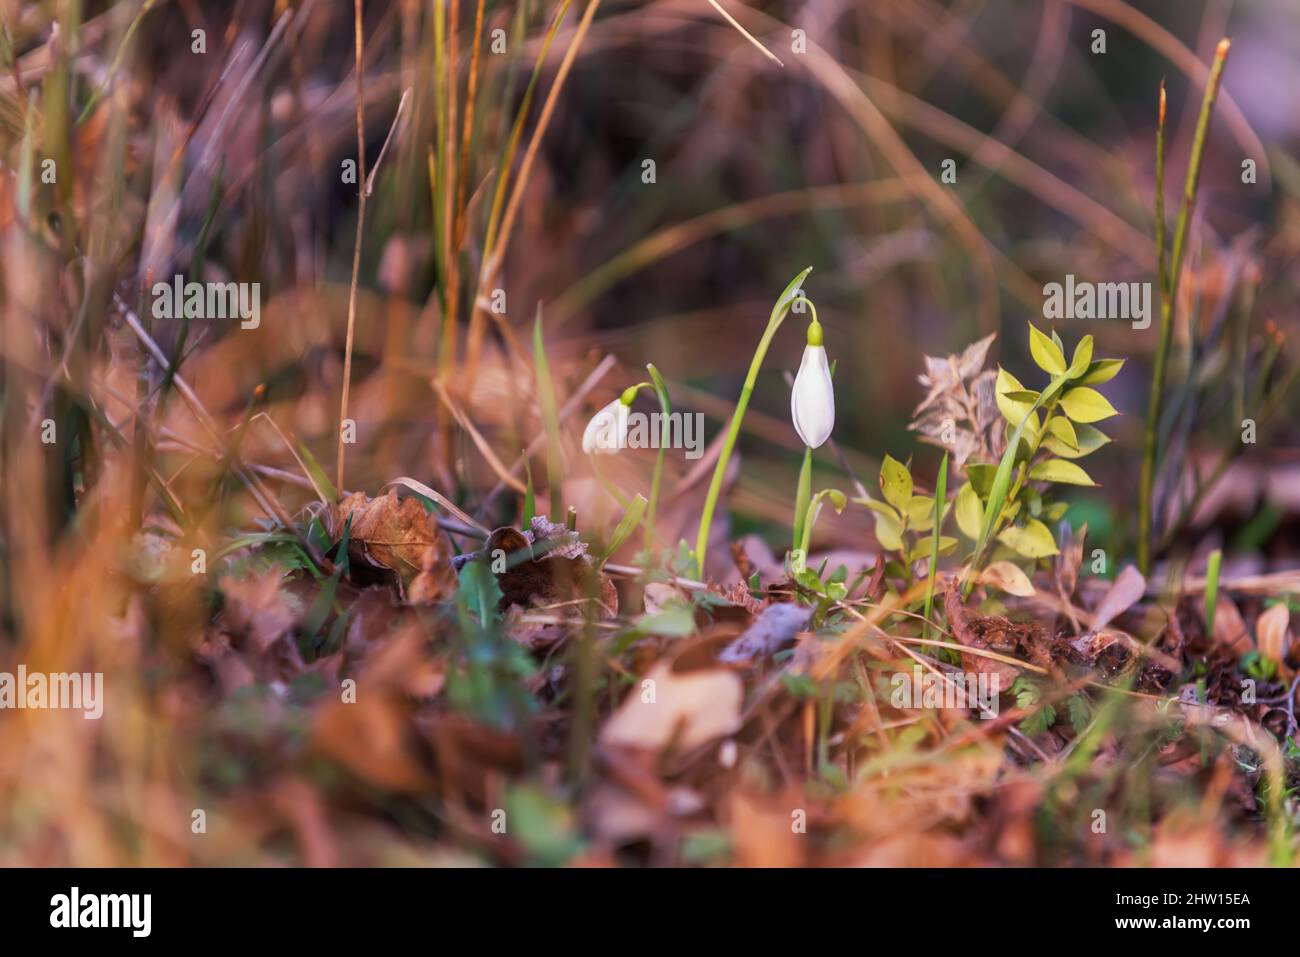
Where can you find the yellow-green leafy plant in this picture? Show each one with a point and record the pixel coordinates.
(1006, 509)
(905, 520)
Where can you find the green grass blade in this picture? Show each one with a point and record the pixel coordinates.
(940, 493)
(550, 418)
(1212, 588)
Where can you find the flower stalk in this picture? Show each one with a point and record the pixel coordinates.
(1168, 290)
(779, 311)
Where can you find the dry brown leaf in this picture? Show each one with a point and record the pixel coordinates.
(1129, 586)
(372, 733)
(1229, 627)
(764, 833)
(694, 708)
(257, 610)
(400, 536)
(547, 566)
(1273, 634)
(961, 623)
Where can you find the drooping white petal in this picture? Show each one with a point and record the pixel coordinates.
(606, 433)
(812, 401)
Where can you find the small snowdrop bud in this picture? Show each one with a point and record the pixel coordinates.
(812, 401)
(606, 433)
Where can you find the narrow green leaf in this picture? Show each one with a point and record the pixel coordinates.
(1212, 567)
(550, 419)
(802, 496)
(530, 495)
(940, 494)
(631, 519)
(1002, 480)
(319, 479)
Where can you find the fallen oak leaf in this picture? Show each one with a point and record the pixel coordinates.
(400, 537)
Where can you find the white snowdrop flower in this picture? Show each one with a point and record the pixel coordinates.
(606, 433)
(812, 401)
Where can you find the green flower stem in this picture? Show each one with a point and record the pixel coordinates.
(803, 491)
(940, 493)
(779, 312)
(665, 406)
(1168, 299)
(1002, 479)
(810, 516)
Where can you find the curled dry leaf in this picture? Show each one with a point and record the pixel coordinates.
(1273, 634)
(968, 630)
(691, 708)
(255, 638)
(1007, 577)
(547, 565)
(399, 536)
(257, 610)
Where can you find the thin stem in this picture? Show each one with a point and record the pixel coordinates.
(1162, 294)
(803, 491)
(666, 407)
(940, 494)
(1167, 303)
(810, 518)
(1162, 257)
(356, 247)
(779, 312)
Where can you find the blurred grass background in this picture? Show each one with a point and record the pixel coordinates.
(227, 165)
